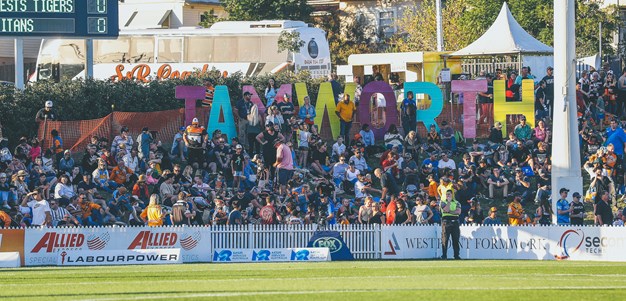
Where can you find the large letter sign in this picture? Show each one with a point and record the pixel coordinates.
(469, 88)
(502, 108)
(190, 94)
(301, 91)
(326, 101)
(436, 106)
(280, 94)
(221, 105)
(391, 111)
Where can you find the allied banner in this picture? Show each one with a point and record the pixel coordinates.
(119, 257)
(504, 242)
(41, 246)
(270, 255)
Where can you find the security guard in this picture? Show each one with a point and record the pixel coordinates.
(450, 211)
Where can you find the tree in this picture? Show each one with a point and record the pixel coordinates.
(255, 10)
(208, 18)
(537, 18)
(290, 41)
(417, 28)
(352, 36)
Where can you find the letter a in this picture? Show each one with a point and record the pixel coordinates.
(221, 105)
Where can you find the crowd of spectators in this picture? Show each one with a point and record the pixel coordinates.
(278, 170)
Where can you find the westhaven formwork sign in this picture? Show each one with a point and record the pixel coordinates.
(59, 18)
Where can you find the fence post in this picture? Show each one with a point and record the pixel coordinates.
(377, 238)
(250, 237)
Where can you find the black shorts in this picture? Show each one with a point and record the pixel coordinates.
(284, 175)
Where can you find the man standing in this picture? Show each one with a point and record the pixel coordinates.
(346, 111)
(40, 208)
(242, 109)
(283, 164)
(549, 90)
(387, 184)
(450, 211)
(409, 113)
(144, 139)
(486, 101)
(563, 208)
(238, 163)
(194, 138)
(604, 213)
(578, 210)
(47, 113)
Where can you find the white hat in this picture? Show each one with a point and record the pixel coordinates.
(49, 104)
(195, 120)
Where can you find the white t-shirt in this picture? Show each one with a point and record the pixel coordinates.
(39, 211)
(450, 164)
(358, 192)
(350, 176)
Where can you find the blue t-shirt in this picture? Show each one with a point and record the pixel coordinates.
(617, 139)
(562, 218)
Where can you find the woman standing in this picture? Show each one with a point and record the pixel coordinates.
(153, 213)
(253, 129)
(365, 212)
(270, 92)
(267, 139)
(544, 212)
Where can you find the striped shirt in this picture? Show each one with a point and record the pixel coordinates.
(58, 215)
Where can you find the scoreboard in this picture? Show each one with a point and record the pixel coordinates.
(59, 18)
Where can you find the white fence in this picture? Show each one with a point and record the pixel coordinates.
(41, 245)
(363, 240)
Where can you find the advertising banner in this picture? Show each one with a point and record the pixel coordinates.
(12, 240)
(403, 242)
(42, 245)
(270, 255)
(119, 257)
(334, 242)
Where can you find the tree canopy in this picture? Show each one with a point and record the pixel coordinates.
(254, 10)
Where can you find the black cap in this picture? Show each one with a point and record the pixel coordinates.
(576, 195)
(246, 93)
(563, 190)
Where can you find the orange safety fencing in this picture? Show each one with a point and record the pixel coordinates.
(77, 134)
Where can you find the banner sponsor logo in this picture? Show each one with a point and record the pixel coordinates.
(118, 257)
(270, 255)
(152, 240)
(393, 245)
(98, 241)
(189, 241)
(332, 243)
(52, 241)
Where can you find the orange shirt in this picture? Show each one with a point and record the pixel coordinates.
(432, 189)
(346, 111)
(120, 176)
(5, 219)
(154, 215)
(87, 207)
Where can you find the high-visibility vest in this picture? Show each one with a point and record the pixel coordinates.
(453, 205)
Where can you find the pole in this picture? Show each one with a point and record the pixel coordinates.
(19, 63)
(89, 59)
(600, 41)
(566, 168)
(43, 137)
(439, 26)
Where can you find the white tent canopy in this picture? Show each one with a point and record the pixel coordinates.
(505, 36)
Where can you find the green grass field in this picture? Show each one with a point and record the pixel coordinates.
(363, 280)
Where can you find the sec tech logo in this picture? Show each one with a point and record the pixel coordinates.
(570, 243)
